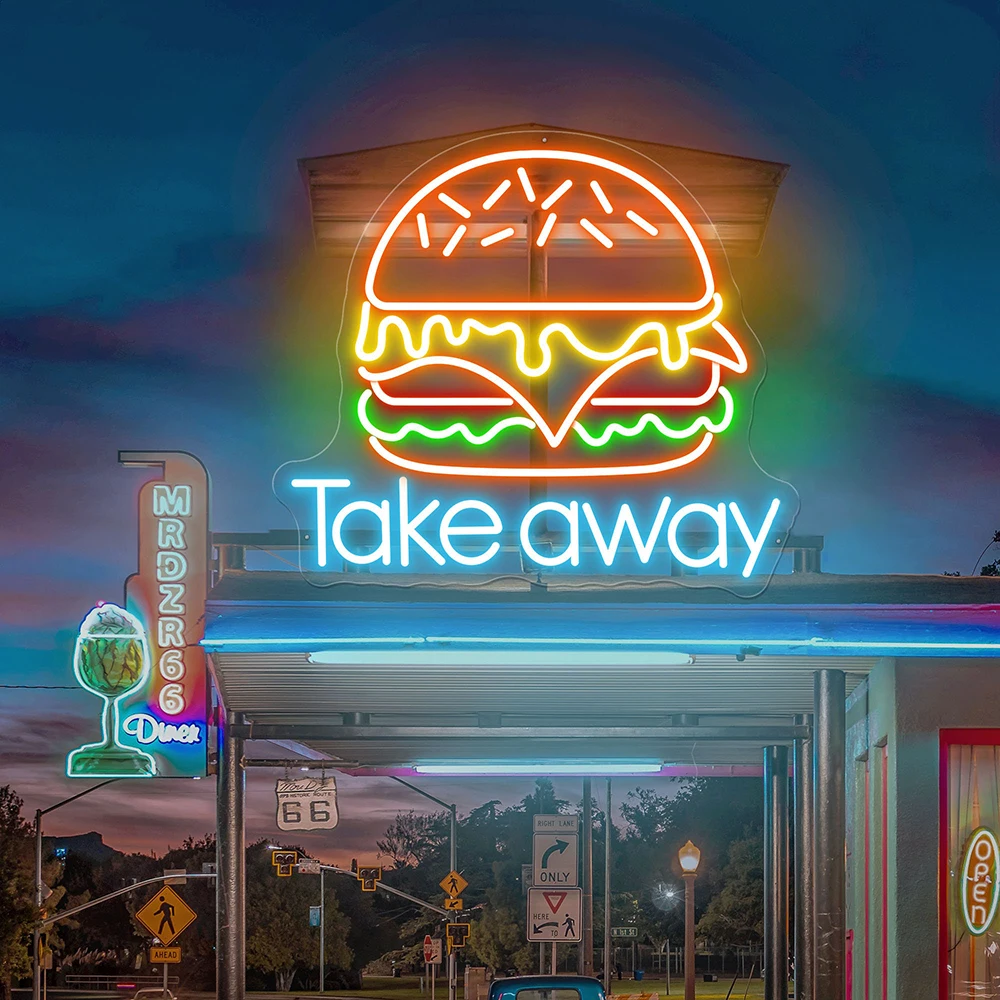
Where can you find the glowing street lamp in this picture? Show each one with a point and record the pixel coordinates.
(689, 857)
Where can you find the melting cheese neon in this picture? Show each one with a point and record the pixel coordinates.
(414, 353)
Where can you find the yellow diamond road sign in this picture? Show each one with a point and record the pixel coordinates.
(165, 915)
(453, 884)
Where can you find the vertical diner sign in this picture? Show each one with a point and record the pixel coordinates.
(161, 722)
(168, 594)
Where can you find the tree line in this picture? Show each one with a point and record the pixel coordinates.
(722, 816)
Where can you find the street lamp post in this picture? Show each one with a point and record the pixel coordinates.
(689, 856)
(453, 860)
(40, 889)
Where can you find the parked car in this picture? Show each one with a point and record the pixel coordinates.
(546, 988)
(153, 993)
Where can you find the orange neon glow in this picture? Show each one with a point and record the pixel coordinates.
(642, 223)
(436, 304)
(602, 197)
(497, 194)
(529, 191)
(446, 199)
(557, 194)
(571, 472)
(669, 360)
(504, 234)
(601, 238)
(456, 237)
(546, 230)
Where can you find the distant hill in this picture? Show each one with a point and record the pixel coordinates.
(88, 845)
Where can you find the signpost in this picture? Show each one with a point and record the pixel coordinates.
(555, 860)
(625, 932)
(166, 915)
(554, 914)
(164, 956)
(454, 884)
(556, 823)
(307, 803)
(432, 950)
(432, 959)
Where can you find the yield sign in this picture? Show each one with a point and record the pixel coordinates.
(554, 914)
(555, 900)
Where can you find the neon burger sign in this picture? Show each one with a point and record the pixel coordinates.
(450, 371)
(613, 357)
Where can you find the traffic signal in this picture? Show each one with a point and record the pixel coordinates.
(369, 876)
(458, 935)
(284, 861)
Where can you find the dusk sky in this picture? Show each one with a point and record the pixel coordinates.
(152, 212)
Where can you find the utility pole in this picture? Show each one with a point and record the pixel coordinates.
(453, 861)
(586, 963)
(607, 893)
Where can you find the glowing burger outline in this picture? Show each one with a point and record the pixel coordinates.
(675, 348)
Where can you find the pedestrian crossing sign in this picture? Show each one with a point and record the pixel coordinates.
(166, 915)
(453, 884)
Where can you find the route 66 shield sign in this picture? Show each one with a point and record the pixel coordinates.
(307, 803)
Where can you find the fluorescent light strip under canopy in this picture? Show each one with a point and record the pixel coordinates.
(582, 768)
(814, 642)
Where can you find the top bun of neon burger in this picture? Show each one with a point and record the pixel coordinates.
(628, 338)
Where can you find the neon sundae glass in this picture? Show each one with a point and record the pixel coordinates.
(111, 660)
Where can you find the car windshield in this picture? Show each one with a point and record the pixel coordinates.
(553, 994)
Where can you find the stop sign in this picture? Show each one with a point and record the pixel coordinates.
(428, 949)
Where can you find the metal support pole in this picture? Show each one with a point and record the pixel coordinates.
(555, 956)
(802, 784)
(586, 954)
(829, 875)
(775, 872)
(230, 801)
(453, 958)
(689, 878)
(322, 930)
(538, 290)
(36, 957)
(607, 893)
